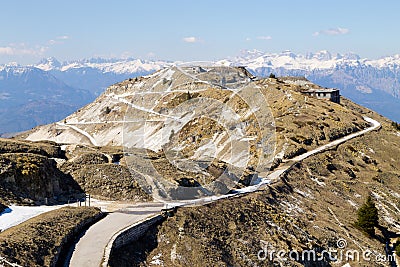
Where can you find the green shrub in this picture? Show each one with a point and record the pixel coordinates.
(397, 248)
(367, 217)
(107, 110)
(396, 125)
(27, 166)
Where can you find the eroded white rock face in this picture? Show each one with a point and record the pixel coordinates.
(196, 116)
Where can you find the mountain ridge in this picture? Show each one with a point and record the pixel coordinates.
(374, 83)
(371, 74)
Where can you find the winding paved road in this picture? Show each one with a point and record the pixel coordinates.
(90, 248)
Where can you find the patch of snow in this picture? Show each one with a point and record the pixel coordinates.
(238, 157)
(59, 161)
(391, 221)
(206, 150)
(302, 193)
(282, 152)
(156, 260)
(165, 76)
(113, 134)
(396, 194)
(252, 188)
(288, 95)
(291, 207)
(173, 253)
(15, 214)
(315, 179)
(352, 203)
(142, 108)
(376, 195)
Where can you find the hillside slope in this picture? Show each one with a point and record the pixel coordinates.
(312, 207)
(177, 132)
(29, 174)
(203, 128)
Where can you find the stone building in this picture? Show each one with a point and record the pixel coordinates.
(331, 94)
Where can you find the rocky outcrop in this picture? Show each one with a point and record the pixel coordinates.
(29, 173)
(33, 179)
(2, 208)
(101, 178)
(109, 181)
(44, 148)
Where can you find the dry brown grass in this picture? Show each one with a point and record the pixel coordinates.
(38, 241)
(313, 206)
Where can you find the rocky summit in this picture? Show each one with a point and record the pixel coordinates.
(203, 130)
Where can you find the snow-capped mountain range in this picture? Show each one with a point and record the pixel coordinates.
(118, 66)
(385, 72)
(372, 83)
(96, 74)
(320, 60)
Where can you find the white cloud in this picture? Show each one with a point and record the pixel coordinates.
(52, 42)
(191, 39)
(20, 50)
(63, 37)
(266, 38)
(248, 39)
(23, 49)
(58, 40)
(6, 50)
(332, 31)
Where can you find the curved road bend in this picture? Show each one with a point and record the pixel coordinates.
(89, 250)
(287, 164)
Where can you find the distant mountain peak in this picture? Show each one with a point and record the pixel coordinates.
(288, 53)
(50, 63)
(321, 55)
(351, 56)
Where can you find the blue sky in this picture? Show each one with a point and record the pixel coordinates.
(194, 30)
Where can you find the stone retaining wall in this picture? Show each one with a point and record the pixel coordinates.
(130, 234)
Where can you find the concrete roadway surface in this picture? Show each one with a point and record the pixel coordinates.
(89, 250)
